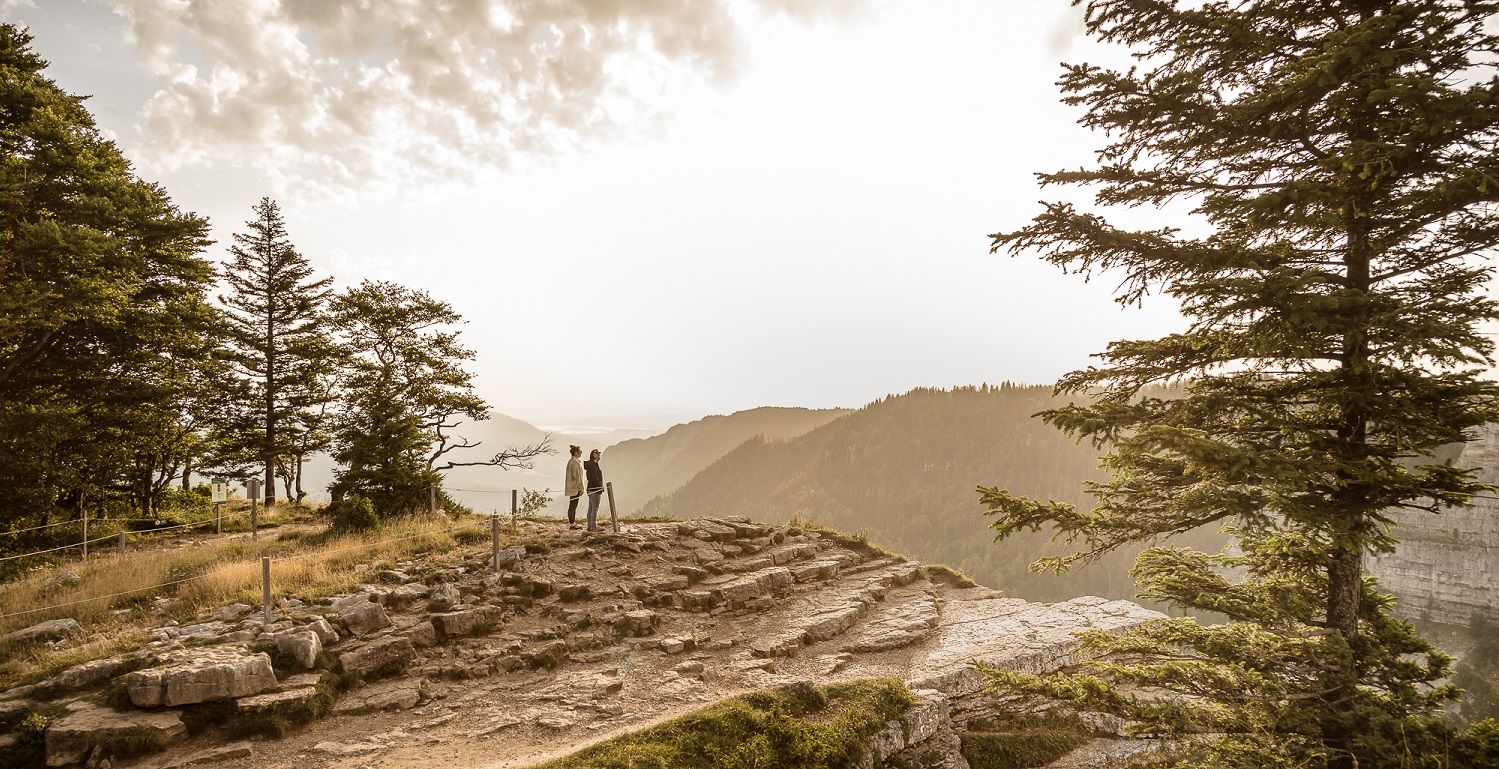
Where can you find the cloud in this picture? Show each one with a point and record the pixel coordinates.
(1066, 29)
(407, 92)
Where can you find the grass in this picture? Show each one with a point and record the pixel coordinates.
(795, 728)
(857, 541)
(952, 576)
(221, 571)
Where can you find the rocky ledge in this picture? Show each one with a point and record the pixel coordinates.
(575, 636)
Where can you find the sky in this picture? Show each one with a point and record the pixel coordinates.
(647, 210)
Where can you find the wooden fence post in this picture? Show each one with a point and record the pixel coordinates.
(514, 509)
(218, 517)
(265, 586)
(85, 535)
(255, 531)
(122, 542)
(613, 517)
(432, 499)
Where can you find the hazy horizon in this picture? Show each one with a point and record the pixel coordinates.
(697, 212)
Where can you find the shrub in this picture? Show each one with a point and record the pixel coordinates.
(353, 513)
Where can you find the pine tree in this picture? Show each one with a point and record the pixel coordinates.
(1341, 162)
(273, 311)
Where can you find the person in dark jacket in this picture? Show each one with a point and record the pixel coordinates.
(595, 487)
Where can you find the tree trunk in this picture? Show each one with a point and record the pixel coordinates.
(187, 474)
(300, 494)
(1345, 560)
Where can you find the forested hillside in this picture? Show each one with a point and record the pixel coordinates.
(904, 468)
(644, 468)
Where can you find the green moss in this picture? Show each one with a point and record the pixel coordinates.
(1022, 741)
(801, 728)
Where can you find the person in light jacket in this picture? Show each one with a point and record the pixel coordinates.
(574, 484)
(595, 487)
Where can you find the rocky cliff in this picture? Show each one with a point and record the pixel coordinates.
(452, 658)
(1446, 567)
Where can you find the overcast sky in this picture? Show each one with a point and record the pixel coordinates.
(648, 210)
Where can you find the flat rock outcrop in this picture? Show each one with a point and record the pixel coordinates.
(575, 634)
(201, 676)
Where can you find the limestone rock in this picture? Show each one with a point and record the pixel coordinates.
(363, 618)
(296, 703)
(507, 558)
(468, 622)
(89, 727)
(214, 755)
(87, 674)
(376, 655)
(402, 694)
(201, 675)
(325, 632)
(51, 630)
(304, 646)
(444, 597)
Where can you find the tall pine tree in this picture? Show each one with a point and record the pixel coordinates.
(1341, 160)
(273, 309)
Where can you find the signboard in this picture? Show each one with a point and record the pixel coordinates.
(220, 490)
(252, 488)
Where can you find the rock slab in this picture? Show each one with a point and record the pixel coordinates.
(202, 676)
(89, 727)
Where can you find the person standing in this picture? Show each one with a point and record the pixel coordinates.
(595, 487)
(574, 484)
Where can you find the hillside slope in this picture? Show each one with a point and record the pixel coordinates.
(645, 468)
(905, 468)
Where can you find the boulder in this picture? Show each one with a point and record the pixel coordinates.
(381, 653)
(201, 675)
(363, 618)
(468, 622)
(300, 704)
(302, 645)
(325, 632)
(88, 728)
(507, 558)
(51, 630)
(641, 622)
(88, 674)
(444, 597)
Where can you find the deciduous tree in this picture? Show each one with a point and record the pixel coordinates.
(404, 395)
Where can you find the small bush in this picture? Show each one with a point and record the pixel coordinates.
(353, 513)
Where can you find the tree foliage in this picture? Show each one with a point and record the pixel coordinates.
(405, 393)
(273, 307)
(103, 316)
(1340, 161)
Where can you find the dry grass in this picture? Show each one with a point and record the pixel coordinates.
(114, 593)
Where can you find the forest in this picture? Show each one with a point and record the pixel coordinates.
(902, 470)
(133, 368)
